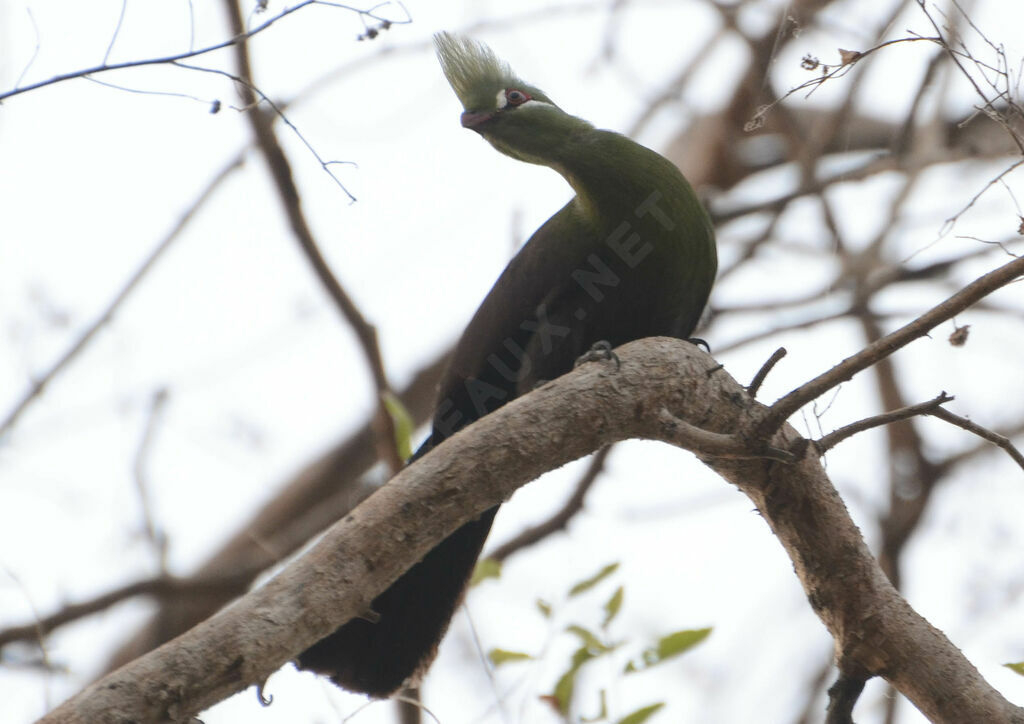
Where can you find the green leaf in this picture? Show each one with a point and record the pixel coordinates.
(1018, 667)
(612, 606)
(588, 583)
(588, 639)
(403, 423)
(485, 568)
(678, 642)
(668, 647)
(641, 715)
(501, 656)
(544, 607)
(567, 682)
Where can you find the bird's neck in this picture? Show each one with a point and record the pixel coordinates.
(614, 177)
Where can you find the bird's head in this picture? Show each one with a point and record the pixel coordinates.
(515, 117)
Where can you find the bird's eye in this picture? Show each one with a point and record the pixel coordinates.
(516, 97)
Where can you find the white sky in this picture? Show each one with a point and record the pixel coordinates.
(262, 376)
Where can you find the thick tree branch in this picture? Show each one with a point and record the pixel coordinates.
(482, 465)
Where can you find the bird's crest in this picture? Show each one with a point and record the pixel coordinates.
(475, 73)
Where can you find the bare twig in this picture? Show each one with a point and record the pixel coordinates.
(829, 441)
(155, 536)
(982, 432)
(241, 36)
(845, 65)
(281, 173)
(872, 167)
(161, 587)
(149, 92)
(759, 378)
(39, 383)
(35, 51)
(771, 332)
(845, 370)
(989, 104)
(280, 114)
(117, 31)
(970, 453)
(950, 222)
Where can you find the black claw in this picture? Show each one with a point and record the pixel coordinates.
(698, 342)
(601, 351)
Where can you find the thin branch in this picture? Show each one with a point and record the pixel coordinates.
(989, 107)
(776, 305)
(950, 222)
(876, 165)
(117, 31)
(35, 51)
(105, 67)
(39, 384)
(148, 92)
(845, 370)
(905, 138)
(826, 443)
(762, 374)
(191, 26)
(963, 456)
(561, 518)
(280, 114)
(982, 432)
(842, 696)
(281, 173)
(845, 65)
(771, 333)
(161, 587)
(155, 536)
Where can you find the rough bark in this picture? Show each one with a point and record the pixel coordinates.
(665, 390)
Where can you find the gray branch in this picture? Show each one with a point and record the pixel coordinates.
(661, 381)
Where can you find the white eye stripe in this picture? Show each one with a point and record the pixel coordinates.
(502, 101)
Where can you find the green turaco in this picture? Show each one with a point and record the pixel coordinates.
(632, 255)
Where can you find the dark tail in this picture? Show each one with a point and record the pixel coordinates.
(376, 658)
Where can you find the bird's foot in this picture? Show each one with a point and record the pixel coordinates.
(601, 351)
(698, 342)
